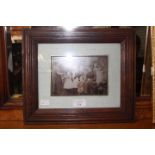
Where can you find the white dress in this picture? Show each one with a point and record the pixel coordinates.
(99, 75)
(68, 84)
(75, 82)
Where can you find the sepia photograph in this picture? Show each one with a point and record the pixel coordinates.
(79, 75)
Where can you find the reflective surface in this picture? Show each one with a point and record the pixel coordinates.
(14, 39)
(85, 75)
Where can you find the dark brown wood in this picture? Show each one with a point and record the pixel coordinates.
(139, 124)
(13, 119)
(3, 68)
(6, 102)
(143, 108)
(32, 114)
(146, 86)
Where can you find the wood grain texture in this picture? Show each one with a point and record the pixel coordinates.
(146, 89)
(153, 67)
(4, 75)
(143, 108)
(13, 119)
(140, 124)
(3, 68)
(32, 114)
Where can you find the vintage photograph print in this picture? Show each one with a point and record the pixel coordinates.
(79, 75)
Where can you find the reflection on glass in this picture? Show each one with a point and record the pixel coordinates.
(14, 66)
(15, 69)
(83, 75)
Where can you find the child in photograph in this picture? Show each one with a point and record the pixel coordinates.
(90, 82)
(99, 73)
(81, 85)
(68, 84)
(75, 85)
(57, 80)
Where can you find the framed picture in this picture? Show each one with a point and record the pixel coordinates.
(82, 76)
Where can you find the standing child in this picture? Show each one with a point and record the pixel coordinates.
(81, 86)
(68, 84)
(75, 85)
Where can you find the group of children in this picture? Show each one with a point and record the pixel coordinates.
(92, 81)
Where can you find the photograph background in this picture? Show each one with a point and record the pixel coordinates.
(45, 51)
(79, 75)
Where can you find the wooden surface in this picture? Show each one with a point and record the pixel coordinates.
(10, 119)
(146, 85)
(140, 124)
(3, 68)
(153, 64)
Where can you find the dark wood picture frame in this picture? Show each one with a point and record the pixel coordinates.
(33, 37)
(4, 94)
